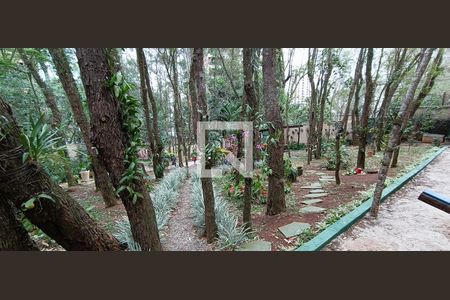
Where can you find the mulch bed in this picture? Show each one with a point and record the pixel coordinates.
(351, 185)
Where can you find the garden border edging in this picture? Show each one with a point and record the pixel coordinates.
(344, 223)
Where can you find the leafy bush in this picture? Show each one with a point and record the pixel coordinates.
(236, 192)
(436, 142)
(289, 171)
(295, 146)
(330, 155)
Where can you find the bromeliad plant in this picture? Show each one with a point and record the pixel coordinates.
(132, 126)
(42, 146)
(230, 233)
(39, 140)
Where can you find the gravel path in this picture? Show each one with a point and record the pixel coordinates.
(405, 223)
(181, 234)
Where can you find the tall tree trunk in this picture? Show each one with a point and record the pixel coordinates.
(157, 155)
(425, 90)
(355, 112)
(207, 186)
(252, 102)
(358, 71)
(194, 101)
(178, 109)
(50, 99)
(151, 133)
(396, 128)
(339, 132)
(323, 99)
(112, 141)
(61, 218)
(170, 62)
(312, 56)
(102, 181)
(363, 132)
(276, 203)
(390, 88)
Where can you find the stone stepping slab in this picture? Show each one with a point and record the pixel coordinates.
(293, 229)
(309, 202)
(318, 195)
(311, 209)
(315, 191)
(315, 185)
(327, 178)
(258, 245)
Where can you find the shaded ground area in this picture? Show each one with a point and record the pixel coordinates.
(349, 190)
(405, 223)
(181, 234)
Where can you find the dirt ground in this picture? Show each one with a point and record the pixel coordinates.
(181, 234)
(404, 222)
(349, 190)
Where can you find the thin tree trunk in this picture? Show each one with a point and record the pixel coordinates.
(194, 101)
(276, 203)
(171, 67)
(338, 153)
(396, 128)
(50, 99)
(207, 186)
(358, 70)
(151, 133)
(157, 154)
(102, 181)
(363, 132)
(355, 113)
(312, 107)
(61, 218)
(112, 142)
(323, 98)
(228, 74)
(389, 92)
(426, 88)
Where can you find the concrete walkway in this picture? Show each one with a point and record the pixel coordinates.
(405, 223)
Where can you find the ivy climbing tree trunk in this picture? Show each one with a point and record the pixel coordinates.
(61, 218)
(113, 140)
(207, 186)
(252, 102)
(102, 180)
(13, 236)
(276, 203)
(50, 100)
(363, 131)
(394, 139)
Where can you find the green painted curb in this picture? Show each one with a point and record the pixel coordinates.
(340, 226)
